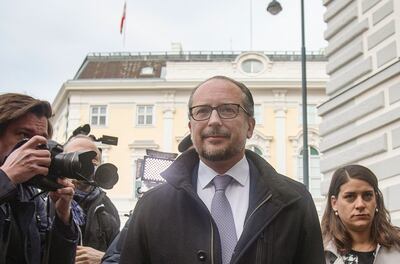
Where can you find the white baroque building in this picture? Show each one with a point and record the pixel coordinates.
(141, 98)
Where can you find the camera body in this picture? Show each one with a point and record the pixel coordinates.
(74, 165)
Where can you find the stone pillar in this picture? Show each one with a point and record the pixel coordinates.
(168, 121)
(280, 129)
(294, 140)
(73, 116)
(105, 152)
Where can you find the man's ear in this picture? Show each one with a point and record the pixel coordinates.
(251, 123)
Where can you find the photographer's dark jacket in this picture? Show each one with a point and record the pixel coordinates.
(102, 222)
(27, 234)
(171, 224)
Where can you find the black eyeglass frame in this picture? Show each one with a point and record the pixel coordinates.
(216, 108)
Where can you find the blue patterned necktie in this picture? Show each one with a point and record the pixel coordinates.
(221, 212)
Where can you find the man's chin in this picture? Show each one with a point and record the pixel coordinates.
(216, 155)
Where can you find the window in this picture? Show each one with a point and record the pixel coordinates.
(258, 115)
(147, 71)
(98, 115)
(312, 115)
(252, 66)
(163, 72)
(314, 180)
(144, 114)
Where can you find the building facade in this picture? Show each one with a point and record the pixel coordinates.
(361, 118)
(141, 98)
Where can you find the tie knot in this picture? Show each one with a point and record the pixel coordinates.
(221, 182)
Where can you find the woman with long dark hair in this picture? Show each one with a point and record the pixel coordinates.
(356, 225)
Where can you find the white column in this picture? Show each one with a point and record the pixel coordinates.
(105, 152)
(280, 129)
(168, 121)
(73, 116)
(168, 118)
(294, 140)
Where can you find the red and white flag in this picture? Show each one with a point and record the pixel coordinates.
(123, 19)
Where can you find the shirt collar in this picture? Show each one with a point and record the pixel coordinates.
(240, 172)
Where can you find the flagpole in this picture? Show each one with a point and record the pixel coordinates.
(251, 25)
(122, 29)
(124, 37)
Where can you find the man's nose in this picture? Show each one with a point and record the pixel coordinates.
(214, 118)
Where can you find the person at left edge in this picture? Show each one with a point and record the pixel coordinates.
(28, 235)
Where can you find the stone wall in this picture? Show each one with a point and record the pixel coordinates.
(361, 118)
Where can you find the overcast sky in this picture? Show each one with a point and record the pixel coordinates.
(44, 42)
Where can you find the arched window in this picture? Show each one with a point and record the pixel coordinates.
(252, 66)
(313, 152)
(314, 171)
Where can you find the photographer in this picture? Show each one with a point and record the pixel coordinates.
(99, 220)
(27, 233)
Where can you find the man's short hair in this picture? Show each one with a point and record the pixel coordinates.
(14, 106)
(248, 102)
(88, 137)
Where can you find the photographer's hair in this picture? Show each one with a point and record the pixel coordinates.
(382, 231)
(248, 102)
(14, 106)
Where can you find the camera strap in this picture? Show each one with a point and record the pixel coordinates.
(37, 194)
(48, 237)
(5, 232)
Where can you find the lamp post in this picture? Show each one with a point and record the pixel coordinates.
(274, 7)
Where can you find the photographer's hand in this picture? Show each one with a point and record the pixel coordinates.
(88, 255)
(62, 200)
(27, 161)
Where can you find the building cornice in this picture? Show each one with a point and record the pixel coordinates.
(158, 84)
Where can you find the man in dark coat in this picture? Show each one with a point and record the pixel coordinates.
(28, 235)
(272, 218)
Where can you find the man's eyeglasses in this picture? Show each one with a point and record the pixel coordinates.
(225, 111)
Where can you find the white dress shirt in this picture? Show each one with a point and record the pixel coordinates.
(237, 192)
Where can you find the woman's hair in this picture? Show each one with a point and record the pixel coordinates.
(382, 231)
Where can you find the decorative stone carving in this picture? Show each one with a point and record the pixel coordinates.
(262, 142)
